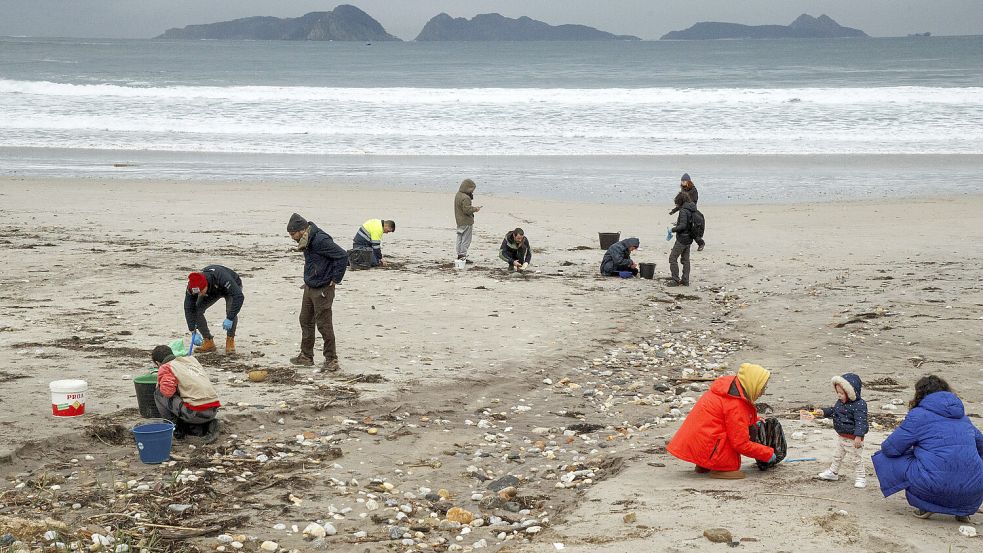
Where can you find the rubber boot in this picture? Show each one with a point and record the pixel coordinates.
(230, 345)
(207, 346)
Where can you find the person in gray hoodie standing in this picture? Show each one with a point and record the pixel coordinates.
(464, 216)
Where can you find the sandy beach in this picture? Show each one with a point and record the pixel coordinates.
(557, 385)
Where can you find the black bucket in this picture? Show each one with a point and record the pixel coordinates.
(608, 239)
(646, 270)
(145, 385)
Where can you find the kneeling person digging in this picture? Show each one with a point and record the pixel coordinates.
(185, 396)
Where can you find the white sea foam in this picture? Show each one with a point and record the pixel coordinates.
(503, 121)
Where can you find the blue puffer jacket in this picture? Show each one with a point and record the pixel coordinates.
(324, 261)
(936, 455)
(850, 417)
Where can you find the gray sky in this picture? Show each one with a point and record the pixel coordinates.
(648, 19)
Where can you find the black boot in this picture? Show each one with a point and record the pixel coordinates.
(211, 433)
(180, 430)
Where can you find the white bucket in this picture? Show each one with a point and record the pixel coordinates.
(68, 397)
(461, 264)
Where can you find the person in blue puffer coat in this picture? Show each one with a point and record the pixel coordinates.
(936, 455)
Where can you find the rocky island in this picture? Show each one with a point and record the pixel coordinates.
(496, 27)
(344, 23)
(805, 26)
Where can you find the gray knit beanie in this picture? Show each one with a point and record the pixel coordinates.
(685, 177)
(296, 223)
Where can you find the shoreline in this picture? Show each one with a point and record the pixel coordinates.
(722, 179)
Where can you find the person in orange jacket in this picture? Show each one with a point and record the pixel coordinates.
(715, 433)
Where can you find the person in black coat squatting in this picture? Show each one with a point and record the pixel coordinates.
(618, 260)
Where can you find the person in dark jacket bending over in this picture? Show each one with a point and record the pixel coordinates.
(204, 289)
(686, 185)
(324, 267)
(369, 237)
(618, 258)
(683, 240)
(515, 250)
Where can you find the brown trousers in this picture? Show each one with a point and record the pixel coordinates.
(315, 310)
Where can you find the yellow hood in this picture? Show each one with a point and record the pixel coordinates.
(753, 379)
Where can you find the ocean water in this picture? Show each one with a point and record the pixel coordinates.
(614, 120)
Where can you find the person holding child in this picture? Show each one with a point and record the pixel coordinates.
(935, 455)
(849, 416)
(715, 433)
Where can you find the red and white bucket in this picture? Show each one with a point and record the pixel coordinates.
(68, 397)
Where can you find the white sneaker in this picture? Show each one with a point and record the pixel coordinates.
(828, 475)
(860, 483)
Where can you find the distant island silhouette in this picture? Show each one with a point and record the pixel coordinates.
(496, 27)
(344, 23)
(348, 23)
(804, 26)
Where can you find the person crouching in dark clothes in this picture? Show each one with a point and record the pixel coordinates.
(618, 260)
(184, 395)
(515, 250)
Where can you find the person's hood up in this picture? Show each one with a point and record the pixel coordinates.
(753, 379)
(946, 404)
(629, 242)
(850, 383)
(467, 186)
(689, 206)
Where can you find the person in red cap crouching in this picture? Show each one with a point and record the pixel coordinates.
(185, 396)
(204, 289)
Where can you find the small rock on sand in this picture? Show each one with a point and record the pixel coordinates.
(718, 535)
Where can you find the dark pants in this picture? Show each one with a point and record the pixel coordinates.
(203, 324)
(315, 310)
(678, 250)
(363, 244)
(174, 410)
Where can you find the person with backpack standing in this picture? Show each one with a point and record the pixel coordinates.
(689, 228)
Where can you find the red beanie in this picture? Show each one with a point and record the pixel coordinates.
(197, 282)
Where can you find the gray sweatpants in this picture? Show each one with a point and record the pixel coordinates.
(677, 251)
(174, 410)
(464, 239)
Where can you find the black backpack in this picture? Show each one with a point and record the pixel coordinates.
(769, 432)
(697, 224)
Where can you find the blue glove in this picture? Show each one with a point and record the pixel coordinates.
(227, 324)
(773, 458)
(668, 235)
(196, 339)
(625, 274)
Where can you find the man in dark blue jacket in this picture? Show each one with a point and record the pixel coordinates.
(618, 258)
(324, 266)
(206, 287)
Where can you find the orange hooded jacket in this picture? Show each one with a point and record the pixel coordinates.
(715, 433)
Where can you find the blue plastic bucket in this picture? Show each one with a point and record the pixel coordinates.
(154, 441)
